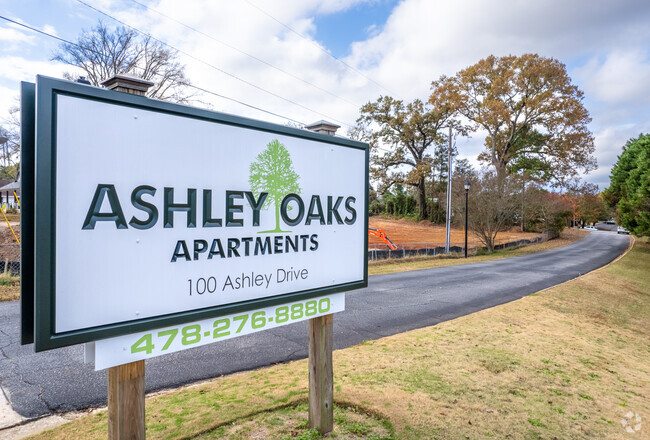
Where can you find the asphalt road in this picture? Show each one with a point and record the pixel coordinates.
(59, 381)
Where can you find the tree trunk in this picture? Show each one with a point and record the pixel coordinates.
(277, 216)
(523, 197)
(502, 172)
(422, 198)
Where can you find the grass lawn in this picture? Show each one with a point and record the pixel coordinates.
(568, 362)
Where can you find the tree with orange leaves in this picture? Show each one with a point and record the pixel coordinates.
(510, 98)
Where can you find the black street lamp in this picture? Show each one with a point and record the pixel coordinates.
(467, 185)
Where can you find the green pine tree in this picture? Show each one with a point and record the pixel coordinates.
(273, 172)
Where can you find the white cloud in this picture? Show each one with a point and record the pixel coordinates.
(251, 31)
(424, 39)
(622, 78)
(609, 145)
(18, 69)
(49, 29)
(332, 6)
(8, 98)
(617, 88)
(605, 45)
(11, 38)
(420, 41)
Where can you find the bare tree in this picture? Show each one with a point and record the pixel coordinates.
(102, 52)
(10, 144)
(492, 205)
(547, 211)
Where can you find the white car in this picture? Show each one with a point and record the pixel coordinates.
(622, 230)
(590, 228)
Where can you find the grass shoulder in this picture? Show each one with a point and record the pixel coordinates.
(379, 267)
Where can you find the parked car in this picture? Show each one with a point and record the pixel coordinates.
(622, 230)
(591, 228)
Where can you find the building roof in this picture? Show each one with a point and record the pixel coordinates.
(12, 186)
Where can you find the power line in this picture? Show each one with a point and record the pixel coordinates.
(243, 103)
(39, 31)
(319, 47)
(219, 95)
(211, 65)
(247, 54)
(187, 85)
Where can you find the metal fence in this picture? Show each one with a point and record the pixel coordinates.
(382, 251)
(10, 259)
(10, 253)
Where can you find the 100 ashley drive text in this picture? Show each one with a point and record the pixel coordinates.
(202, 285)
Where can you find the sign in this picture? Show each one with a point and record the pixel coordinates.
(145, 345)
(150, 214)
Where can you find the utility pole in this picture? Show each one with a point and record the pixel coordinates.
(523, 198)
(448, 193)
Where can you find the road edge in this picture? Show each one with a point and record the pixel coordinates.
(632, 241)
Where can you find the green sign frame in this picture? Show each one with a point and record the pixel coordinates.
(38, 284)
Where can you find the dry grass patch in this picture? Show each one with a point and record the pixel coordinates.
(9, 288)
(566, 363)
(569, 362)
(9, 293)
(379, 267)
(292, 423)
(13, 217)
(263, 404)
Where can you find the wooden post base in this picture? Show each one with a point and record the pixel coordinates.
(126, 402)
(321, 378)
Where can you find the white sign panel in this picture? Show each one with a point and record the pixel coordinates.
(146, 345)
(158, 214)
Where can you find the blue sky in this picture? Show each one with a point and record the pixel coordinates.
(393, 47)
(336, 31)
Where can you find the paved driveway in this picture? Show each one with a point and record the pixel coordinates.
(54, 381)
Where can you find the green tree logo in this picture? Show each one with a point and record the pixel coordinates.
(273, 172)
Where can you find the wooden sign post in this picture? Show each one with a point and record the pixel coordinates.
(126, 382)
(126, 401)
(321, 373)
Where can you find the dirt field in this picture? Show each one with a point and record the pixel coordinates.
(399, 231)
(407, 231)
(9, 248)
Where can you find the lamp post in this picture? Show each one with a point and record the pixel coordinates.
(467, 185)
